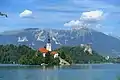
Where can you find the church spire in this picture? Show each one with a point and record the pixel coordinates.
(48, 35)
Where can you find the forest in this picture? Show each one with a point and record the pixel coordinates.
(22, 54)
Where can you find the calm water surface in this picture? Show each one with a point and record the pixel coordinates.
(75, 72)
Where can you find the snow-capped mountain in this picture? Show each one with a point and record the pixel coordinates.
(35, 38)
(23, 39)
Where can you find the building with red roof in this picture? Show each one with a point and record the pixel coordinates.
(47, 49)
(43, 50)
(54, 53)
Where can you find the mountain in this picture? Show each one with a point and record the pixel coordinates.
(34, 37)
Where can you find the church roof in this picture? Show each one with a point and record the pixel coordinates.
(53, 52)
(43, 50)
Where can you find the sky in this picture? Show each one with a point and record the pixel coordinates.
(101, 15)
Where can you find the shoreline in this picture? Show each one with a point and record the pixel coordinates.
(54, 65)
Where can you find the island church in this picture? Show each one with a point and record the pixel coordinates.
(47, 49)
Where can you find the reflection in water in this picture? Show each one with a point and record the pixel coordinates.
(74, 72)
(50, 74)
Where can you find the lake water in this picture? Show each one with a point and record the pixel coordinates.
(75, 72)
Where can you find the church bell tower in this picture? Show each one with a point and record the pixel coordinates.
(48, 45)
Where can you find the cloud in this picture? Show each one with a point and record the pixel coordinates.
(76, 24)
(87, 20)
(92, 15)
(73, 23)
(26, 14)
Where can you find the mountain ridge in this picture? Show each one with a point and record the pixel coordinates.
(36, 37)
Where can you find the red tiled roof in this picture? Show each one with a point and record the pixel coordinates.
(53, 52)
(43, 50)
